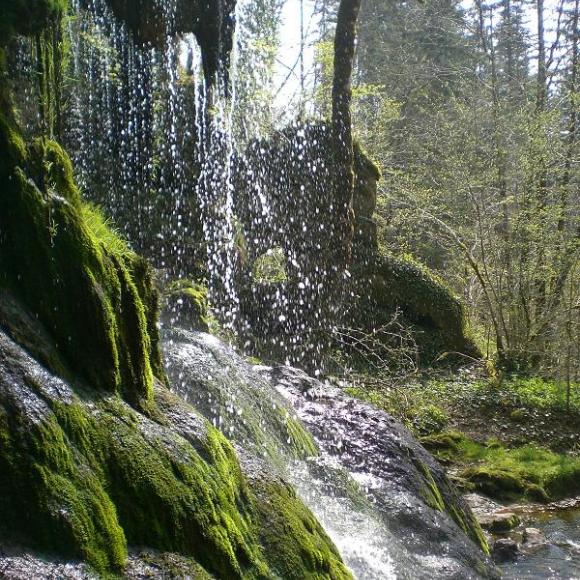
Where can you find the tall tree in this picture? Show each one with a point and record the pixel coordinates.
(344, 48)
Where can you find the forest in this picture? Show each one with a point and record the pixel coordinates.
(290, 289)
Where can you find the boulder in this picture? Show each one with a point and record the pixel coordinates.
(505, 550)
(499, 522)
(532, 539)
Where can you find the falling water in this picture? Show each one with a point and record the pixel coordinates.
(196, 186)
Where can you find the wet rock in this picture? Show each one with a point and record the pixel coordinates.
(533, 538)
(417, 501)
(505, 550)
(369, 465)
(499, 522)
(86, 477)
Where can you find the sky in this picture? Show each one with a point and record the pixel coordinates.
(289, 52)
(288, 82)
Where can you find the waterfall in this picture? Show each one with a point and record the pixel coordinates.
(197, 187)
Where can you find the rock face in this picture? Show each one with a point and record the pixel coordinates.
(505, 550)
(96, 454)
(294, 173)
(368, 469)
(84, 476)
(416, 500)
(212, 22)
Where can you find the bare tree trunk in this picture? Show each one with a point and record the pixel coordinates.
(344, 49)
(542, 77)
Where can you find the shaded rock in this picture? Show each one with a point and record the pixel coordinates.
(499, 522)
(505, 550)
(212, 22)
(384, 285)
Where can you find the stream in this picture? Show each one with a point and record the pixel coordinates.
(558, 556)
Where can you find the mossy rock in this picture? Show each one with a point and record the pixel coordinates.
(502, 484)
(499, 523)
(283, 514)
(385, 284)
(94, 298)
(110, 458)
(83, 476)
(186, 305)
(445, 446)
(233, 394)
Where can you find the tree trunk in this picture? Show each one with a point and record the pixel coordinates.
(344, 49)
(542, 78)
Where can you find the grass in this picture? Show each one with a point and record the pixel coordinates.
(535, 392)
(104, 230)
(529, 472)
(518, 411)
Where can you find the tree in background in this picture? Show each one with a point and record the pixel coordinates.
(473, 118)
(258, 43)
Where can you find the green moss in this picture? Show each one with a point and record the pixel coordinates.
(70, 274)
(51, 496)
(300, 441)
(189, 302)
(529, 471)
(387, 283)
(94, 475)
(471, 527)
(434, 499)
(27, 16)
(309, 554)
(430, 492)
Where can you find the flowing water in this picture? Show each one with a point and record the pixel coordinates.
(558, 557)
(366, 485)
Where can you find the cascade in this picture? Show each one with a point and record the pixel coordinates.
(196, 187)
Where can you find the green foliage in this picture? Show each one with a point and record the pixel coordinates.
(518, 409)
(270, 267)
(529, 471)
(419, 415)
(429, 419)
(538, 393)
